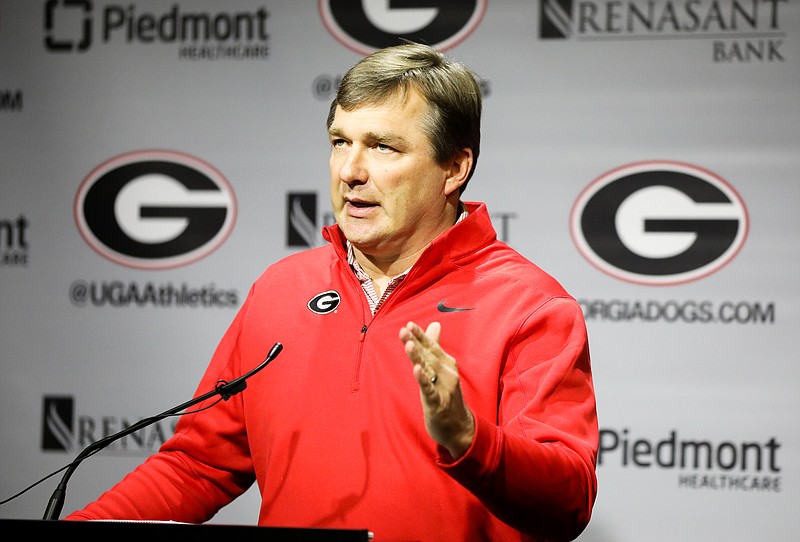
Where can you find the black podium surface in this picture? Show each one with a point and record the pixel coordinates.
(152, 531)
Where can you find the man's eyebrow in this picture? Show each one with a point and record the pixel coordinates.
(385, 138)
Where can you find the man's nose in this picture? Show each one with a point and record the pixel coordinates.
(353, 168)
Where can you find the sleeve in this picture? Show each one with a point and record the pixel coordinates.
(201, 468)
(534, 467)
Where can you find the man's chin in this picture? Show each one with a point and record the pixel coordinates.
(359, 230)
(366, 242)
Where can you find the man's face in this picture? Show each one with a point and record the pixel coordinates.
(388, 193)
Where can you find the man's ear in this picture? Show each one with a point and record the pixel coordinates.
(459, 171)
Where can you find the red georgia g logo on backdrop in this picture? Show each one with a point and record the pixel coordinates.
(659, 223)
(155, 209)
(366, 26)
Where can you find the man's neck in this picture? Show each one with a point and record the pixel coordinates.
(384, 270)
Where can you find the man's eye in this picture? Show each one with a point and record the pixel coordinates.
(337, 142)
(384, 148)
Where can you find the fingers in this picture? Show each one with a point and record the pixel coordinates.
(448, 420)
(426, 339)
(422, 348)
(433, 332)
(434, 370)
(426, 377)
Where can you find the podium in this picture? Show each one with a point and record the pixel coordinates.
(158, 531)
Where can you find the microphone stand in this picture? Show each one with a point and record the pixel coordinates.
(224, 389)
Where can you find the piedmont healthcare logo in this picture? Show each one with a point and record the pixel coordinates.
(155, 209)
(701, 463)
(14, 241)
(365, 26)
(659, 223)
(76, 26)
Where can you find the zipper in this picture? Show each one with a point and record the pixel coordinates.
(365, 327)
(359, 359)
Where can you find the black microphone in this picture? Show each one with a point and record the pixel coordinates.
(224, 389)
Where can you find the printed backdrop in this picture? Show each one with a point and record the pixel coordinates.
(157, 156)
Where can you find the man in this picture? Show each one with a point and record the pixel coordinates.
(488, 433)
